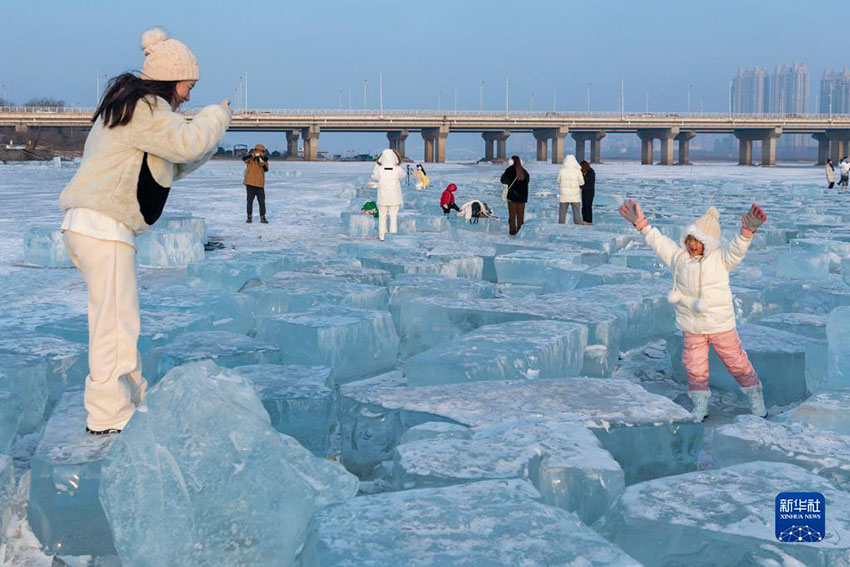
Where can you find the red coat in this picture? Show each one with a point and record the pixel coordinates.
(448, 196)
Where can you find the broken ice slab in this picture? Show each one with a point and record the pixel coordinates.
(160, 248)
(803, 266)
(649, 435)
(64, 510)
(358, 225)
(826, 410)
(184, 223)
(564, 461)
(531, 350)
(531, 267)
(11, 411)
(577, 277)
(673, 520)
(838, 349)
(751, 438)
(434, 429)
(26, 377)
(428, 321)
(778, 357)
(299, 401)
(352, 342)
(823, 296)
(232, 273)
(845, 270)
(293, 292)
(45, 247)
(808, 324)
(7, 493)
(201, 468)
(482, 523)
(222, 347)
(638, 259)
(67, 361)
(405, 287)
(218, 305)
(465, 266)
(354, 274)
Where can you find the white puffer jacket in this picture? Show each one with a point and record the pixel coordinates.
(701, 294)
(108, 178)
(388, 173)
(570, 181)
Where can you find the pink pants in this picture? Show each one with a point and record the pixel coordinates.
(728, 347)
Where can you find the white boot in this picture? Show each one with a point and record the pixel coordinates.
(700, 400)
(756, 400)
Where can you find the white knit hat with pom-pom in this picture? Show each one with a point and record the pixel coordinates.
(167, 59)
(706, 229)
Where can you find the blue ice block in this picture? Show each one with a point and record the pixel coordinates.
(482, 523)
(232, 273)
(673, 520)
(299, 402)
(564, 461)
(45, 247)
(11, 411)
(223, 347)
(826, 410)
(358, 225)
(26, 377)
(352, 342)
(184, 223)
(560, 279)
(162, 248)
(201, 472)
(67, 361)
(528, 350)
(7, 493)
(64, 510)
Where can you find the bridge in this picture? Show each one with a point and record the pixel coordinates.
(550, 129)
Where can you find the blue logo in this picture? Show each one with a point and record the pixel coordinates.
(800, 517)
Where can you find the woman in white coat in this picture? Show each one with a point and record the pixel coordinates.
(388, 173)
(570, 181)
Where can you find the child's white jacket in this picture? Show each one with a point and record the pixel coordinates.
(108, 178)
(701, 294)
(388, 173)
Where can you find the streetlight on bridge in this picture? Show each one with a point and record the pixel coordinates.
(481, 96)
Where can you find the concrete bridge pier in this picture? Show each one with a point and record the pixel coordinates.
(311, 142)
(666, 135)
(580, 138)
(596, 147)
(823, 147)
(645, 150)
(542, 137)
(397, 139)
(435, 143)
(745, 147)
(768, 147)
(839, 141)
(502, 145)
(292, 144)
(557, 135)
(684, 139)
(489, 138)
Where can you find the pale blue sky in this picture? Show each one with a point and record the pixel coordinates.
(301, 54)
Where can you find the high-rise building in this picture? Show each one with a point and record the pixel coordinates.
(789, 90)
(835, 92)
(749, 90)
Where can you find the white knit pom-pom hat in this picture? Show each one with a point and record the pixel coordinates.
(167, 59)
(706, 229)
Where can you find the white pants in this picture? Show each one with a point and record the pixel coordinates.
(114, 385)
(383, 211)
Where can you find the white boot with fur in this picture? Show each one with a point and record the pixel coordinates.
(754, 394)
(700, 400)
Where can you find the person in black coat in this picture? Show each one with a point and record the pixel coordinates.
(588, 190)
(517, 178)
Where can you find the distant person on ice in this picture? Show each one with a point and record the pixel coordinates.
(588, 191)
(844, 170)
(388, 173)
(570, 181)
(830, 174)
(256, 166)
(516, 178)
(703, 300)
(138, 145)
(422, 180)
(447, 199)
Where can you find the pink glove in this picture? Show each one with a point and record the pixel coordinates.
(631, 211)
(751, 221)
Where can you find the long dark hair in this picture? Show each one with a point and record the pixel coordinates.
(519, 169)
(124, 91)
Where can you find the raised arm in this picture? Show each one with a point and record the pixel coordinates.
(664, 247)
(737, 249)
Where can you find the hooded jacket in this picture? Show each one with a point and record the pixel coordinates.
(570, 180)
(257, 164)
(701, 294)
(108, 178)
(448, 196)
(844, 168)
(388, 174)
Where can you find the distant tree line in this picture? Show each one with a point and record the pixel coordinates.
(43, 101)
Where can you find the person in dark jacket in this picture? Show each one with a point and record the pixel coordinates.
(257, 164)
(588, 190)
(516, 178)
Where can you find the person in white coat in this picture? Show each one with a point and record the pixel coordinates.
(137, 146)
(388, 173)
(703, 299)
(844, 170)
(830, 174)
(570, 180)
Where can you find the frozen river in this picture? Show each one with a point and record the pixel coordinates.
(495, 400)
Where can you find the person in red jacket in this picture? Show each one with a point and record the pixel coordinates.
(447, 200)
